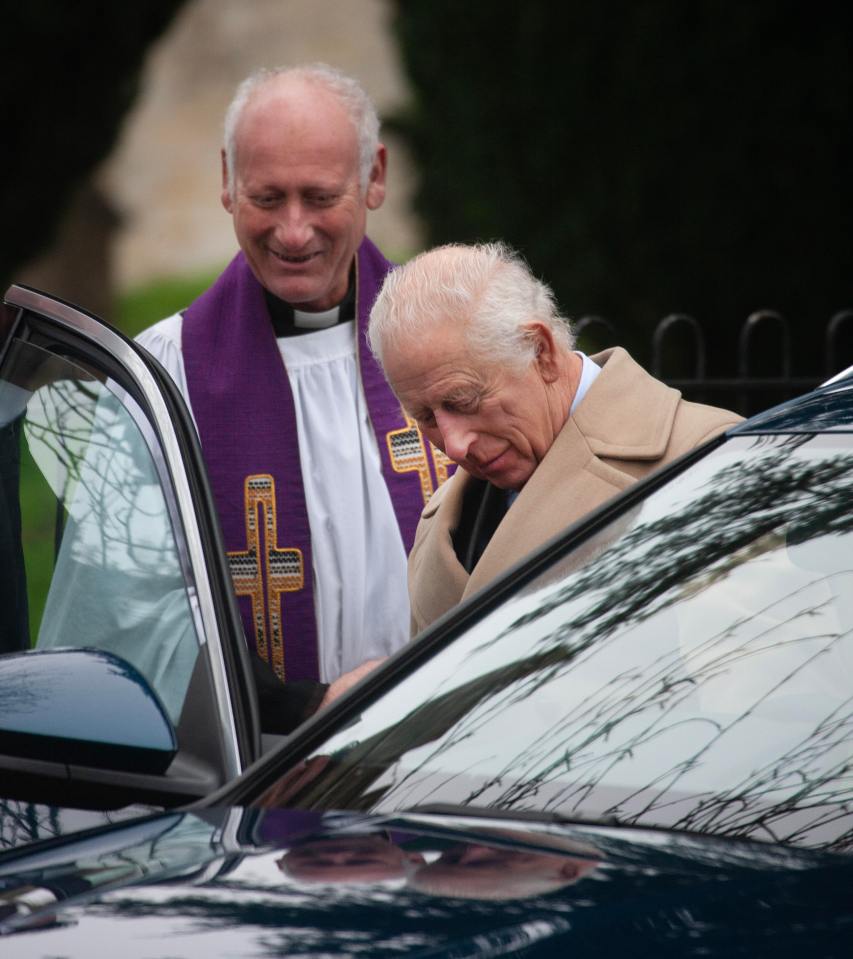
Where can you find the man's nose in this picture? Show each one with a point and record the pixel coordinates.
(456, 435)
(293, 229)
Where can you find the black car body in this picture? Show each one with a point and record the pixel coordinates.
(220, 883)
(637, 742)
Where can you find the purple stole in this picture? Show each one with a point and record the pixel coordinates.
(243, 406)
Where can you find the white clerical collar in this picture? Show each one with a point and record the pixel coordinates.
(588, 374)
(316, 321)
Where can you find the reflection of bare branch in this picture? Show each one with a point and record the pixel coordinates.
(96, 461)
(23, 822)
(117, 582)
(634, 741)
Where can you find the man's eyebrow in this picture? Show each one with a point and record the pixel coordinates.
(462, 394)
(329, 186)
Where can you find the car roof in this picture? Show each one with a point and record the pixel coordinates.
(839, 377)
(829, 408)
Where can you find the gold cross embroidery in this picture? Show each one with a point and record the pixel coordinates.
(408, 454)
(283, 569)
(441, 461)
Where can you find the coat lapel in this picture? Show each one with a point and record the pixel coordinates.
(441, 585)
(626, 416)
(619, 430)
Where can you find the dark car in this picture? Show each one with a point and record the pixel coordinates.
(239, 883)
(638, 742)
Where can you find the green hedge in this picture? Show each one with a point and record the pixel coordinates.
(646, 156)
(143, 305)
(71, 71)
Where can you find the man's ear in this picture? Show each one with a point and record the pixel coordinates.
(225, 196)
(375, 194)
(546, 358)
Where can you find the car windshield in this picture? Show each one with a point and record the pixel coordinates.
(689, 667)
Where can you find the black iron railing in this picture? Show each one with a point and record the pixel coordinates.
(746, 391)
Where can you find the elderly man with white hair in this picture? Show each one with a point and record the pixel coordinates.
(318, 477)
(474, 348)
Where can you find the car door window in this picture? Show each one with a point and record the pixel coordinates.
(117, 582)
(108, 541)
(103, 558)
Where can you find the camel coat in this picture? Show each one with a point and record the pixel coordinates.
(627, 426)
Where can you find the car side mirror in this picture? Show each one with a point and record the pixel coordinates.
(83, 707)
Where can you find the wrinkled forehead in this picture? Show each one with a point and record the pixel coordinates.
(410, 354)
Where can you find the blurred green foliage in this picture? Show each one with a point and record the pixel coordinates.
(140, 306)
(646, 156)
(71, 70)
(38, 516)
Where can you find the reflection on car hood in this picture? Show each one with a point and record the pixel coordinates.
(24, 823)
(248, 883)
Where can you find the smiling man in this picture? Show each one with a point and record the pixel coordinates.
(308, 451)
(475, 349)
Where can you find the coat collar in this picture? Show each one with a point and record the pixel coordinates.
(626, 415)
(607, 425)
(614, 428)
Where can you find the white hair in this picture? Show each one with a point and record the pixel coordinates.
(488, 287)
(350, 93)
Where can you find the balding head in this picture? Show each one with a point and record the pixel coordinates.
(316, 78)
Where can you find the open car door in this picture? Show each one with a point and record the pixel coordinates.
(124, 674)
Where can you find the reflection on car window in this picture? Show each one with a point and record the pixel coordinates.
(690, 667)
(102, 559)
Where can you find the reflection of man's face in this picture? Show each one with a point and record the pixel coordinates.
(347, 859)
(487, 872)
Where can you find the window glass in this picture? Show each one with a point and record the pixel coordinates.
(85, 522)
(691, 666)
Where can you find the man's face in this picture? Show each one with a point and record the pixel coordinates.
(347, 859)
(486, 872)
(495, 423)
(299, 212)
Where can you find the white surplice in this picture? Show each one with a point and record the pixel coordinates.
(360, 592)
